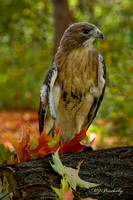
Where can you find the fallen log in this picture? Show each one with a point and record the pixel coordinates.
(112, 168)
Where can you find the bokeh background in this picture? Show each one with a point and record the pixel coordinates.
(29, 35)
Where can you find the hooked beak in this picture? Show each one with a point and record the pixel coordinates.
(99, 34)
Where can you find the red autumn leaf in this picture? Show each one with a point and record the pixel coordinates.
(71, 147)
(74, 144)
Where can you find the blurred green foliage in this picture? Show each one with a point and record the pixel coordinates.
(25, 51)
(26, 41)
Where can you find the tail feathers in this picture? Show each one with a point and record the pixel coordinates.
(41, 114)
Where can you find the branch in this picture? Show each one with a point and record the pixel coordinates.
(113, 168)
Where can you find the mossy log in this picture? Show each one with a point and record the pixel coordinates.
(112, 168)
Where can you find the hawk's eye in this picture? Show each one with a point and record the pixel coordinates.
(85, 31)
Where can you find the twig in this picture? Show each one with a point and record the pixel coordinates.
(23, 186)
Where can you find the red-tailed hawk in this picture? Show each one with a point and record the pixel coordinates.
(74, 85)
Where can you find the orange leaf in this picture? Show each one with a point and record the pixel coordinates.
(43, 146)
(22, 147)
(46, 145)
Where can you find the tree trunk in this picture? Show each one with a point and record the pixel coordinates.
(62, 19)
(113, 168)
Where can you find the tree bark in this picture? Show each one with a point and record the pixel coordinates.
(62, 19)
(112, 168)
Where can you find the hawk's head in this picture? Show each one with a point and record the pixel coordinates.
(80, 34)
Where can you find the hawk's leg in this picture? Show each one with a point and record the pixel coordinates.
(82, 114)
